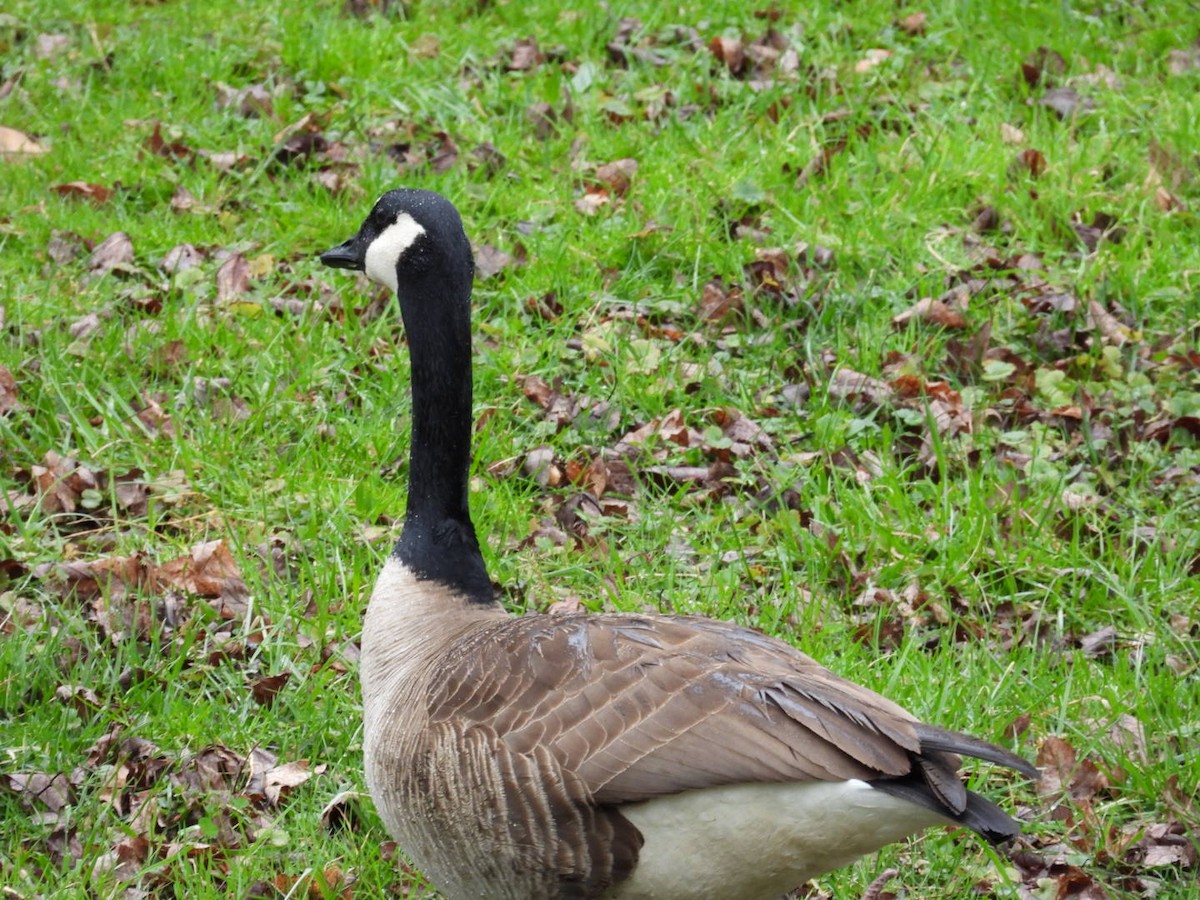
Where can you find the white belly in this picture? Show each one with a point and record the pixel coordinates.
(758, 841)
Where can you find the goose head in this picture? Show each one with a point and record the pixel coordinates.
(409, 234)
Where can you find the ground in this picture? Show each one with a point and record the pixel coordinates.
(871, 325)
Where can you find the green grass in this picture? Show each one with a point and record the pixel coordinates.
(953, 578)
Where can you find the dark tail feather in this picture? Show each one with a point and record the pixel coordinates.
(934, 784)
(934, 738)
(980, 814)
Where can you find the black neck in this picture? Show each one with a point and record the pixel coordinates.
(438, 541)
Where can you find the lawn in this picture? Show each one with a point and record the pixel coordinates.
(871, 326)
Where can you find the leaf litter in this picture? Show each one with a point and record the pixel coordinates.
(940, 408)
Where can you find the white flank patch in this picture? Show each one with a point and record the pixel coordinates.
(755, 841)
(385, 251)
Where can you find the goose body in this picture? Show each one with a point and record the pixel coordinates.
(615, 756)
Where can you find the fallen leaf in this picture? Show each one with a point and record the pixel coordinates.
(180, 258)
(987, 219)
(1010, 134)
(1109, 326)
(82, 189)
(344, 811)
(83, 328)
(543, 118)
(208, 570)
(1180, 62)
(264, 690)
(18, 143)
(525, 55)
(846, 383)
(1099, 643)
(283, 779)
(489, 261)
(729, 50)
(49, 45)
(717, 303)
(65, 246)
(874, 57)
(446, 154)
(617, 176)
(591, 202)
(539, 465)
(1042, 66)
(1028, 161)
(170, 150)
(182, 199)
(1103, 227)
(114, 252)
(226, 160)
(546, 307)
(426, 46)
(40, 789)
(929, 310)
(8, 392)
(253, 101)
(233, 278)
(913, 24)
(1066, 102)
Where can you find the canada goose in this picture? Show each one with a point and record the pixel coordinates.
(600, 756)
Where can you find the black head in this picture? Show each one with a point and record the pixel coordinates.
(408, 232)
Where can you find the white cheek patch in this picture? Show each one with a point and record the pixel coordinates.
(385, 251)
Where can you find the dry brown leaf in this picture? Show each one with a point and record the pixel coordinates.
(208, 570)
(1043, 66)
(264, 690)
(928, 309)
(1180, 62)
(426, 46)
(180, 258)
(717, 303)
(111, 576)
(874, 57)
(60, 482)
(8, 392)
(729, 51)
(49, 45)
(1066, 102)
(1030, 162)
(114, 252)
(83, 189)
(490, 261)
(233, 278)
(182, 199)
(1165, 200)
(846, 383)
(1110, 327)
(18, 143)
(1011, 134)
(539, 465)
(673, 428)
(543, 118)
(617, 176)
(281, 780)
(170, 150)
(446, 154)
(226, 160)
(591, 202)
(83, 328)
(253, 101)
(913, 24)
(65, 246)
(525, 55)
